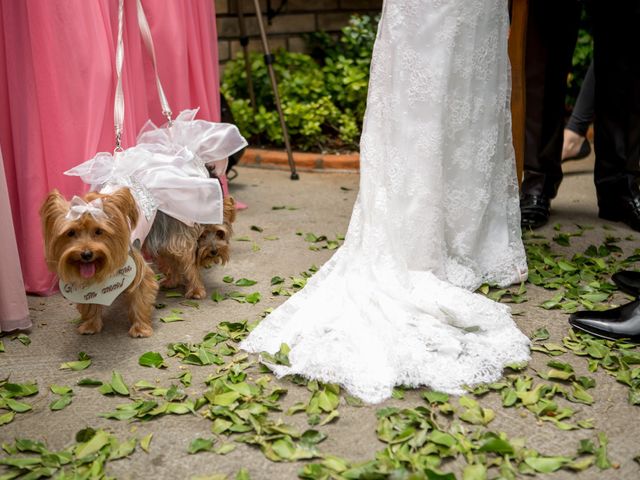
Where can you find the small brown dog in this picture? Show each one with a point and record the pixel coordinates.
(179, 250)
(87, 243)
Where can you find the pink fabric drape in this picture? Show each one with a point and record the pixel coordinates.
(14, 311)
(57, 82)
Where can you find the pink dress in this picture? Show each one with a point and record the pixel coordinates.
(14, 312)
(57, 83)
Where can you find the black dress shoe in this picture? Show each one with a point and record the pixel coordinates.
(534, 210)
(627, 281)
(585, 150)
(621, 322)
(622, 209)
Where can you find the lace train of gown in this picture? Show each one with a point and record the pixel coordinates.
(436, 216)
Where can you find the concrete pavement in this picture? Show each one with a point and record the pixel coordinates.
(319, 203)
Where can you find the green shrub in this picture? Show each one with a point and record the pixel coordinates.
(323, 96)
(582, 56)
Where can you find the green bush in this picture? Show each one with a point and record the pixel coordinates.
(323, 95)
(582, 56)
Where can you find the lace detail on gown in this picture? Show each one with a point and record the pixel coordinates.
(437, 215)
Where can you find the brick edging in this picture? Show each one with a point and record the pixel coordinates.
(277, 159)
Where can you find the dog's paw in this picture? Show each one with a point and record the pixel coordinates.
(197, 293)
(137, 331)
(90, 327)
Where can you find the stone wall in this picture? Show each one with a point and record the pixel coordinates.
(286, 29)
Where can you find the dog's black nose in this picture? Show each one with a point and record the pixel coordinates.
(86, 255)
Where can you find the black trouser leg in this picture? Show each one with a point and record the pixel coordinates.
(551, 37)
(617, 71)
(584, 109)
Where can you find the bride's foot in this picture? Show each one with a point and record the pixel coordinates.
(575, 146)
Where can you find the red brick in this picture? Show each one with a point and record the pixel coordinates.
(304, 161)
(333, 21)
(361, 4)
(311, 5)
(297, 45)
(222, 6)
(227, 27)
(255, 45)
(223, 50)
(249, 7)
(295, 23)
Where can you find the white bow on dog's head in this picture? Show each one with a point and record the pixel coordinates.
(79, 207)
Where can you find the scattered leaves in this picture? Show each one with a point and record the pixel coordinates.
(84, 361)
(87, 458)
(65, 398)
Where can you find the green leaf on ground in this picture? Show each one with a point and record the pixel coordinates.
(84, 361)
(89, 382)
(224, 448)
(190, 303)
(217, 297)
(118, 385)
(602, 458)
(60, 389)
(546, 464)
(22, 338)
(152, 359)
(253, 298)
(281, 357)
(173, 317)
(145, 442)
(200, 445)
(540, 334)
(7, 418)
(61, 402)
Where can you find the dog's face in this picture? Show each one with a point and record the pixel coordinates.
(213, 243)
(87, 248)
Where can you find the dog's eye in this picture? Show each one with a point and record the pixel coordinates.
(71, 233)
(220, 234)
(98, 231)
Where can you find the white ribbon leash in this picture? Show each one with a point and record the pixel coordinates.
(79, 207)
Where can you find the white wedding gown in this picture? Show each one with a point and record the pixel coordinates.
(437, 215)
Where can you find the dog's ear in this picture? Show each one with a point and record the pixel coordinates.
(124, 201)
(229, 209)
(52, 214)
(54, 208)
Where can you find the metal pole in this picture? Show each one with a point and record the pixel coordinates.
(268, 60)
(244, 41)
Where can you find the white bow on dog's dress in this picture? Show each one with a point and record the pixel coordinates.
(166, 170)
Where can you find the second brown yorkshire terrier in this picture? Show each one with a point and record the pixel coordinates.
(179, 250)
(87, 242)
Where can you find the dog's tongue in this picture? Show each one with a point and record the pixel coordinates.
(87, 270)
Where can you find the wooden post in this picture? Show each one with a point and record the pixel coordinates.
(517, 50)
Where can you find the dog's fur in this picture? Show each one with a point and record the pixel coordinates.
(179, 251)
(107, 242)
